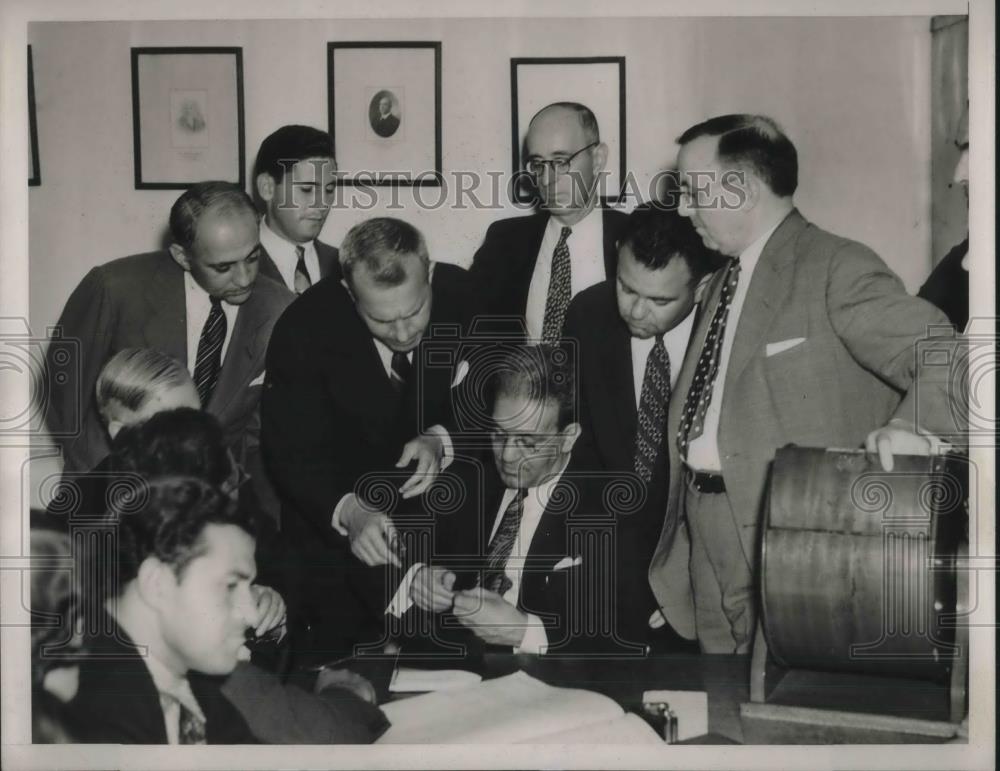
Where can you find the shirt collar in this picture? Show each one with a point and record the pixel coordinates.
(584, 230)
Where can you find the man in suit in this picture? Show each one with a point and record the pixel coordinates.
(182, 603)
(631, 334)
(200, 302)
(385, 123)
(807, 338)
(350, 393)
(295, 177)
(529, 268)
(526, 565)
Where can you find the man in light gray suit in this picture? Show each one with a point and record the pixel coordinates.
(805, 337)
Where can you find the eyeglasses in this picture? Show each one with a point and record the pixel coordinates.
(526, 443)
(536, 166)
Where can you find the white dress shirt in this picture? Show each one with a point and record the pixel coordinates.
(703, 452)
(285, 257)
(173, 691)
(197, 306)
(586, 259)
(676, 343)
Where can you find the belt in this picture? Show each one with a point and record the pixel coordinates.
(704, 482)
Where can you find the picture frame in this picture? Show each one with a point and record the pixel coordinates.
(34, 163)
(384, 101)
(595, 81)
(187, 116)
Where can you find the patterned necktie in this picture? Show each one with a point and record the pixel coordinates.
(209, 360)
(495, 577)
(652, 410)
(401, 367)
(700, 394)
(560, 290)
(191, 727)
(302, 280)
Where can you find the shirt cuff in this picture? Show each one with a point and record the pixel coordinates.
(535, 640)
(448, 453)
(337, 511)
(401, 601)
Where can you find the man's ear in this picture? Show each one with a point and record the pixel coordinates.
(180, 256)
(265, 186)
(154, 581)
(600, 156)
(699, 289)
(569, 436)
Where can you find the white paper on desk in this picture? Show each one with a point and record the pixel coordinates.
(691, 708)
(516, 708)
(410, 679)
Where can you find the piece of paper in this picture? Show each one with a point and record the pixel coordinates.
(515, 708)
(410, 680)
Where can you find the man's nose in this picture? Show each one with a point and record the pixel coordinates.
(638, 310)
(245, 275)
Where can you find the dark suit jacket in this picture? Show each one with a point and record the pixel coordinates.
(332, 420)
(608, 420)
(503, 265)
(386, 127)
(576, 601)
(117, 701)
(947, 287)
(328, 257)
(138, 302)
(829, 347)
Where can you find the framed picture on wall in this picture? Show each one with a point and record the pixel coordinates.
(385, 112)
(34, 165)
(187, 116)
(597, 82)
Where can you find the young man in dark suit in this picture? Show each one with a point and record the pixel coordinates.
(352, 393)
(529, 268)
(182, 602)
(200, 302)
(631, 334)
(295, 180)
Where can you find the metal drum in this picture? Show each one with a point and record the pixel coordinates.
(858, 565)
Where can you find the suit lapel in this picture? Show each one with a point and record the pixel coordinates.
(329, 260)
(165, 327)
(527, 251)
(615, 379)
(768, 288)
(268, 267)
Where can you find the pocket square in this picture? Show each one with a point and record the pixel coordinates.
(460, 372)
(568, 562)
(782, 345)
(259, 380)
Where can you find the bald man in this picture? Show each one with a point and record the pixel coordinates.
(528, 268)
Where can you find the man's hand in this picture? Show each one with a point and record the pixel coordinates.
(270, 611)
(431, 589)
(490, 617)
(372, 535)
(428, 451)
(900, 437)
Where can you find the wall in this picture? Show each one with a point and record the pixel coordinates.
(852, 93)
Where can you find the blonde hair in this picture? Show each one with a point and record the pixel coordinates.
(133, 376)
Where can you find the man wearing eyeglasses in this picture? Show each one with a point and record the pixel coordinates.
(529, 268)
(532, 528)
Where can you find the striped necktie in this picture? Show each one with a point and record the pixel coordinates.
(700, 394)
(209, 360)
(302, 279)
(560, 290)
(652, 410)
(495, 576)
(401, 368)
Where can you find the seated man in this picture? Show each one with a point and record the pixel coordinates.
(183, 602)
(532, 534)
